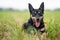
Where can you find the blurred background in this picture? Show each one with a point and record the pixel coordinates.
(23, 4)
(13, 13)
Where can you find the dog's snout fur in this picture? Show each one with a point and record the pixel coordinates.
(37, 19)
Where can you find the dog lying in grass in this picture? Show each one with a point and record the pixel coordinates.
(36, 20)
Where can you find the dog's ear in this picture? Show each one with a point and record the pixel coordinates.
(42, 6)
(30, 7)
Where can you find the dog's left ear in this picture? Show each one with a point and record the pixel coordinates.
(42, 6)
(30, 7)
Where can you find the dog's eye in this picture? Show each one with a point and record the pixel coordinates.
(39, 12)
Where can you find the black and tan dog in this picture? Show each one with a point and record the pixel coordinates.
(36, 18)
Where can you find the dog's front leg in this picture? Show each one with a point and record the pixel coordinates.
(43, 36)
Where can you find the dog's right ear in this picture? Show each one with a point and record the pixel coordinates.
(42, 7)
(30, 7)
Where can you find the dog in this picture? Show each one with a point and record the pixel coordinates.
(36, 18)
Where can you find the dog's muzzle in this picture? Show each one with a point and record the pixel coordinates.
(36, 22)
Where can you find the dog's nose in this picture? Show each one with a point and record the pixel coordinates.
(37, 19)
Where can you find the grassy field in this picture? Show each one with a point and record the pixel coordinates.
(11, 25)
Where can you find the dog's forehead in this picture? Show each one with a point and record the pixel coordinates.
(36, 10)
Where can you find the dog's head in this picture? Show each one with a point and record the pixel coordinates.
(36, 14)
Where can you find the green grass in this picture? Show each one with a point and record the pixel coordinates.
(11, 25)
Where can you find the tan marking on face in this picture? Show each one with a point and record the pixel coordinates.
(40, 17)
(33, 18)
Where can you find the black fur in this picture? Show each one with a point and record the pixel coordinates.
(37, 15)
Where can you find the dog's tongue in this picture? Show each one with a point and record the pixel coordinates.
(37, 24)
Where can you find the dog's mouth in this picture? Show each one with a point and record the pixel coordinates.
(37, 23)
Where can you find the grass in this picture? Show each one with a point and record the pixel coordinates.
(11, 25)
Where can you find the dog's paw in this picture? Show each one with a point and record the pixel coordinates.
(43, 36)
